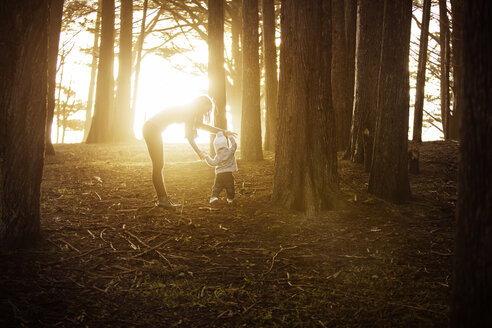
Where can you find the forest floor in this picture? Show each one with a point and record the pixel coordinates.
(108, 258)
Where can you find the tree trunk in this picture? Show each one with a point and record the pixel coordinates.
(92, 83)
(235, 100)
(251, 114)
(56, 13)
(305, 175)
(457, 59)
(445, 52)
(216, 71)
(24, 30)
(103, 109)
(420, 90)
(368, 49)
(138, 56)
(472, 290)
(124, 116)
(271, 82)
(388, 178)
(344, 13)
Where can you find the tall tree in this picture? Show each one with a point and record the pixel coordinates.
(368, 48)
(251, 114)
(24, 30)
(344, 13)
(138, 55)
(445, 66)
(123, 118)
(389, 170)
(457, 58)
(420, 90)
(92, 83)
(271, 80)
(237, 64)
(56, 13)
(305, 175)
(216, 71)
(103, 108)
(472, 290)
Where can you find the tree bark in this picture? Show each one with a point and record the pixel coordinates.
(138, 59)
(388, 178)
(92, 83)
(344, 13)
(472, 288)
(103, 108)
(124, 116)
(24, 30)
(216, 71)
(420, 89)
(56, 13)
(457, 59)
(445, 65)
(235, 100)
(271, 81)
(305, 175)
(251, 114)
(368, 49)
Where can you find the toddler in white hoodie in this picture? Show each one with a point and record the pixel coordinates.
(224, 163)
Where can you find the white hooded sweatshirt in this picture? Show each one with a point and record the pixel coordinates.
(224, 160)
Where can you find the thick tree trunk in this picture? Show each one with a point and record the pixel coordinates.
(472, 290)
(24, 30)
(389, 170)
(420, 92)
(445, 65)
(457, 59)
(103, 109)
(368, 49)
(235, 100)
(251, 115)
(344, 13)
(271, 81)
(92, 83)
(56, 13)
(216, 71)
(124, 116)
(138, 56)
(305, 175)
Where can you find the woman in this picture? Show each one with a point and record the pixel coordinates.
(192, 116)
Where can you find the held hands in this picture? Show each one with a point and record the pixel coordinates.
(230, 134)
(202, 155)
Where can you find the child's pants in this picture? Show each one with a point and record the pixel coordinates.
(223, 180)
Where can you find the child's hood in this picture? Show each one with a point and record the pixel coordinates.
(220, 141)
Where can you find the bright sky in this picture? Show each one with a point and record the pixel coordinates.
(160, 84)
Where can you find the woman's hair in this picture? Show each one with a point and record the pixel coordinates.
(205, 100)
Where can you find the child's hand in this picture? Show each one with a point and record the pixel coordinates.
(230, 134)
(202, 155)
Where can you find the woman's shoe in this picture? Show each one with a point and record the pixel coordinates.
(166, 203)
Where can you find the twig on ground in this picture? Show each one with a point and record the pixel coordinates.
(275, 256)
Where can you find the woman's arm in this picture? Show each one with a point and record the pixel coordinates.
(213, 129)
(210, 128)
(195, 147)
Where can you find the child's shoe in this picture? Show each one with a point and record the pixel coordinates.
(213, 200)
(230, 201)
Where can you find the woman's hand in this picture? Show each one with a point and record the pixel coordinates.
(230, 134)
(202, 155)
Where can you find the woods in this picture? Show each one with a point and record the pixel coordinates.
(321, 96)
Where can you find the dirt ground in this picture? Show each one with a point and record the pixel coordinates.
(108, 258)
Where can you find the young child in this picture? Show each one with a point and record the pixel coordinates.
(224, 163)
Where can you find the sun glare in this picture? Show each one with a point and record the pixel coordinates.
(160, 87)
